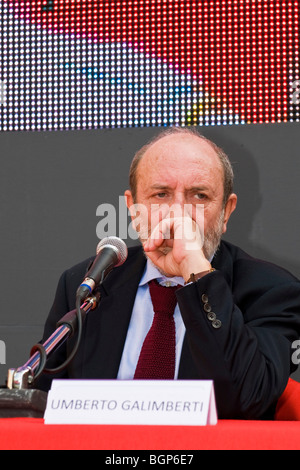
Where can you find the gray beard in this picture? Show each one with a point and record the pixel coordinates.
(213, 239)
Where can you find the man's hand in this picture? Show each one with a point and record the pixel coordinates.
(175, 246)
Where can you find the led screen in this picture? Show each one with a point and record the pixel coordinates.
(88, 64)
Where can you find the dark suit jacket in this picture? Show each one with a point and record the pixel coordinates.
(247, 352)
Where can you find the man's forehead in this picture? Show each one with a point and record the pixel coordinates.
(186, 152)
(182, 146)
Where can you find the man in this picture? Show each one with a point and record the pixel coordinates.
(235, 317)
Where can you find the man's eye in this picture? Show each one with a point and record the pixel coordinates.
(161, 195)
(201, 196)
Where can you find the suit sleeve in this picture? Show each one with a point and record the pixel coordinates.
(242, 342)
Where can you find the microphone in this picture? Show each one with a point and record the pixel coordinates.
(111, 252)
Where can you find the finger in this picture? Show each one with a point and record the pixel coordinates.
(152, 244)
(160, 234)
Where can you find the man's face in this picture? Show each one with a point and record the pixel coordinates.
(184, 173)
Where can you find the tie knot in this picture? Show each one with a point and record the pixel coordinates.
(163, 298)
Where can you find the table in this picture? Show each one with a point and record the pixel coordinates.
(32, 433)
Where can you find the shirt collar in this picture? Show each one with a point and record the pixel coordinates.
(151, 272)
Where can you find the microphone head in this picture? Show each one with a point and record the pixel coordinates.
(118, 244)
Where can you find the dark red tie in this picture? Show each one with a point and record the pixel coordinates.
(157, 357)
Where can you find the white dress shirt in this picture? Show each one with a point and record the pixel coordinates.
(141, 321)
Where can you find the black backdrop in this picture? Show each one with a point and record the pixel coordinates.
(52, 183)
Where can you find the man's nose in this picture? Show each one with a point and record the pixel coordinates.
(179, 199)
(177, 206)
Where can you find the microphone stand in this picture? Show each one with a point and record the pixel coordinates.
(19, 399)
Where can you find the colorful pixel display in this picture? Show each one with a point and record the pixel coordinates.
(88, 64)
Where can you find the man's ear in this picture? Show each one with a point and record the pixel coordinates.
(129, 201)
(229, 208)
(137, 212)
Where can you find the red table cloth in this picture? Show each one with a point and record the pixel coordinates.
(32, 433)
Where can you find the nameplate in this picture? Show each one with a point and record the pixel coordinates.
(162, 402)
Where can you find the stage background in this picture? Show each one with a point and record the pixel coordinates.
(85, 83)
(52, 183)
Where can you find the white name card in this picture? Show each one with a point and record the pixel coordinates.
(167, 402)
